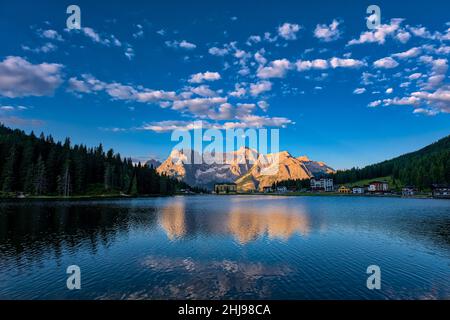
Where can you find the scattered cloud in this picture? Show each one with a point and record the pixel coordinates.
(181, 44)
(359, 90)
(328, 33)
(20, 78)
(288, 31)
(346, 63)
(411, 53)
(257, 88)
(205, 76)
(275, 69)
(380, 33)
(385, 63)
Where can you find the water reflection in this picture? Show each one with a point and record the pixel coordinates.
(173, 220)
(244, 222)
(277, 222)
(225, 247)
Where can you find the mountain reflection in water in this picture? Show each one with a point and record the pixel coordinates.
(245, 223)
(231, 247)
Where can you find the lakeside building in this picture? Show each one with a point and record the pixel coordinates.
(441, 191)
(267, 189)
(344, 189)
(222, 188)
(378, 186)
(409, 191)
(322, 184)
(282, 189)
(358, 190)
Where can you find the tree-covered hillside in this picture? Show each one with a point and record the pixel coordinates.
(41, 166)
(421, 168)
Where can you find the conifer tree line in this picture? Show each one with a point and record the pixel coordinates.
(422, 168)
(40, 166)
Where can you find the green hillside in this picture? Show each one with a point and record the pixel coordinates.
(420, 168)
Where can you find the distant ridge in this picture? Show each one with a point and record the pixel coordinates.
(247, 168)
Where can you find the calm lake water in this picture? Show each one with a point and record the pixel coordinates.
(230, 247)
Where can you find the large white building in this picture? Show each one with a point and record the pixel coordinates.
(323, 184)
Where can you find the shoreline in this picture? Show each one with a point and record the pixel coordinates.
(291, 194)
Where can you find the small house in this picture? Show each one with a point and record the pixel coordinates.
(358, 190)
(441, 191)
(408, 191)
(282, 189)
(344, 189)
(267, 189)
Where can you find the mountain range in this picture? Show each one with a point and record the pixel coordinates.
(246, 167)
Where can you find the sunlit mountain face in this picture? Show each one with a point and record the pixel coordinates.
(247, 167)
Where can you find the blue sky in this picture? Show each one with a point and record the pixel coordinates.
(338, 92)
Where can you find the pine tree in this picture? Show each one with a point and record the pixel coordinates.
(8, 175)
(40, 182)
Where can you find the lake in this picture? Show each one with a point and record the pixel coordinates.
(226, 247)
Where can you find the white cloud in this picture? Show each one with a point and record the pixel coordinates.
(260, 58)
(415, 76)
(239, 91)
(288, 31)
(439, 99)
(89, 32)
(389, 90)
(359, 90)
(318, 64)
(7, 108)
(438, 72)
(248, 121)
(385, 63)
(170, 125)
(198, 105)
(276, 69)
(379, 34)
(181, 44)
(327, 33)
(427, 112)
(374, 104)
(129, 53)
(108, 41)
(405, 101)
(260, 87)
(263, 105)
(205, 76)
(19, 78)
(51, 34)
(253, 39)
(118, 91)
(403, 36)
(218, 51)
(204, 91)
(411, 53)
(45, 48)
(346, 63)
